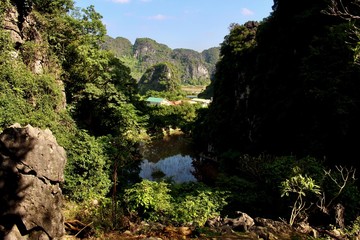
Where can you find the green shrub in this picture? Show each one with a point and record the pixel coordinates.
(87, 173)
(353, 231)
(150, 199)
(279, 169)
(299, 186)
(188, 203)
(198, 207)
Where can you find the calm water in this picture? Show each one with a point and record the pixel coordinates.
(169, 157)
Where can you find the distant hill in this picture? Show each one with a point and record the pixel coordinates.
(161, 77)
(195, 68)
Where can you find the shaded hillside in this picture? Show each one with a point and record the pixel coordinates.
(195, 68)
(290, 93)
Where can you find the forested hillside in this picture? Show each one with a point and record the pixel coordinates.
(55, 75)
(277, 141)
(289, 86)
(195, 68)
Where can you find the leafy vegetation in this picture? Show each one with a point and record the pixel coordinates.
(183, 204)
(180, 116)
(285, 98)
(89, 77)
(89, 169)
(162, 77)
(299, 185)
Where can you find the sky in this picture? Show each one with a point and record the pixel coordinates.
(191, 24)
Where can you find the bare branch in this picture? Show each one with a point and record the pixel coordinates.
(338, 9)
(321, 204)
(345, 176)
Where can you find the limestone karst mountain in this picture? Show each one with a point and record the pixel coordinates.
(195, 68)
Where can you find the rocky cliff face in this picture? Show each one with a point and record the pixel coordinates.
(22, 28)
(148, 52)
(193, 64)
(31, 169)
(22, 25)
(195, 68)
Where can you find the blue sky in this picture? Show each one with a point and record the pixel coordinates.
(192, 24)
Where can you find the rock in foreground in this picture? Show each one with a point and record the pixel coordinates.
(31, 168)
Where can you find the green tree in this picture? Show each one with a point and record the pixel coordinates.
(52, 7)
(180, 116)
(299, 185)
(88, 169)
(100, 126)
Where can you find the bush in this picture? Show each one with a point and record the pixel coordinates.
(299, 186)
(199, 206)
(353, 231)
(87, 173)
(188, 203)
(149, 199)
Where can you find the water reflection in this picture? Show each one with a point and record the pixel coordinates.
(169, 157)
(169, 145)
(179, 168)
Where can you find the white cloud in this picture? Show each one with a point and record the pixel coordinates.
(159, 17)
(246, 12)
(121, 1)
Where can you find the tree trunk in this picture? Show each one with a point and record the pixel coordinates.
(339, 215)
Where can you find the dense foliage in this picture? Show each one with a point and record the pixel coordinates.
(288, 86)
(97, 123)
(183, 204)
(162, 77)
(283, 119)
(181, 116)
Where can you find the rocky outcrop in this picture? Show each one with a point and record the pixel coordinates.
(31, 169)
(196, 68)
(119, 46)
(11, 24)
(149, 52)
(243, 222)
(23, 27)
(198, 71)
(193, 63)
(258, 228)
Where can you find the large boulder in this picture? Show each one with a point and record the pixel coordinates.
(31, 169)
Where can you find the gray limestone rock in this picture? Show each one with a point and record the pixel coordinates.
(31, 169)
